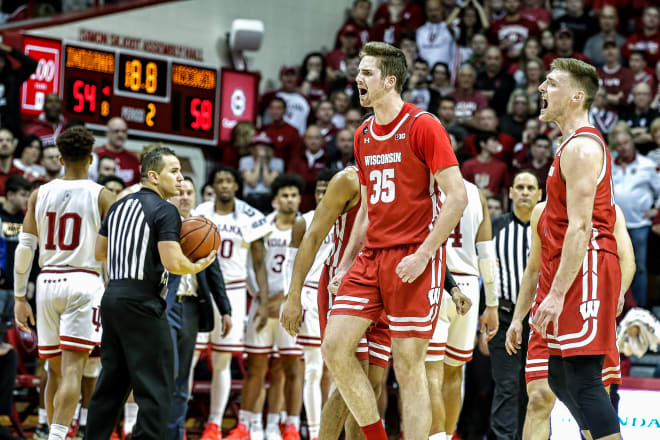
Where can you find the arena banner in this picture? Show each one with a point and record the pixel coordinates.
(46, 79)
(239, 92)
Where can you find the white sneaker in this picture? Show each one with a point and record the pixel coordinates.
(257, 434)
(273, 433)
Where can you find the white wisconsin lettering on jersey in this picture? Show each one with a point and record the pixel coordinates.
(276, 244)
(314, 274)
(237, 230)
(461, 247)
(68, 221)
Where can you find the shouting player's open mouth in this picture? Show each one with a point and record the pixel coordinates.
(362, 91)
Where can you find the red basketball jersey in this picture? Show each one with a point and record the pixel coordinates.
(396, 162)
(546, 275)
(603, 216)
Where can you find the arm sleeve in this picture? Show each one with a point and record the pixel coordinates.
(212, 280)
(104, 224)
(450, 282)
(167, 222)
(27, 67)
(430, 142)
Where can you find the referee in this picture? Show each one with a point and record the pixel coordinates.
(513, 238)
(139, 239)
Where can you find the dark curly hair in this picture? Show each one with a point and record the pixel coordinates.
(75, 144)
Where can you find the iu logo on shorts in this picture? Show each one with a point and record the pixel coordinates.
(96, 317)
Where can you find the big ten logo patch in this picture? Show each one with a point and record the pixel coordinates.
(434, 296)
(96, 318)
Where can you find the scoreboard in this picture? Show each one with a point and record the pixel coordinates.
(158, 97)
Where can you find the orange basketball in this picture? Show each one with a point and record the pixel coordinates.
(199, 237)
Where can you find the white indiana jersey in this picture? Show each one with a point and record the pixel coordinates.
(68, 221)
(314, 274)
(237, 230)
(461, 244)
(276, 245)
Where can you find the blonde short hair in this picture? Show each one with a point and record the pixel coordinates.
(584, 76)
(391, 61)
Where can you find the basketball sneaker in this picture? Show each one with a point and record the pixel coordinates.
(211, 432)
(290, 433)
(42, 431)
(273, 432)
(239, 433)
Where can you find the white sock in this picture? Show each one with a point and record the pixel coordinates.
(58, 432)
(312, 395)
(256, 423)
(83, 416)
(272, 420)
(293, 420)
(245, 417)
(76, 415)
(283, 416)
(220, 387)
(130, 416)
(43, 416)
(438, 436)
(450, 436)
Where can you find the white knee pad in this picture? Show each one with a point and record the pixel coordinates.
(92, 367)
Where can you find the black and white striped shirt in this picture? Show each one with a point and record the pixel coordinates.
(513, 239)
(134, 226)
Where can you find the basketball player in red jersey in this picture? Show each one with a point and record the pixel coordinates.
(576, 317)
(404, 156)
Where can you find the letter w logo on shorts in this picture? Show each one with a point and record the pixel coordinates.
(434, 296)
(589, 309)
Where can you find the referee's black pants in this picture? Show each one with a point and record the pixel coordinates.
(136, 353)
(509, 405)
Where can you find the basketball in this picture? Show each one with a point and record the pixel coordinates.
(199, 237)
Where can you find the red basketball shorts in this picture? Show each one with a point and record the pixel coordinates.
(372, 285)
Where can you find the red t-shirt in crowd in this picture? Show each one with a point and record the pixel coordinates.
(504, 152)
(128, 164)
(412, 16)
(286, 140)
(515, 31)
(468, 105)
(615, 81)
(492, 175)
(300, 165)
(13, 171)
(650, 45)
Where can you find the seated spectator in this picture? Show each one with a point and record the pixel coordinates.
(240, 140)
(639, 69)
(358, 18)
(258, 170)
(468, 100)
(510, 32)
(107, 166)
(349, 46)
(395, 17)
(11, 80)
(600, 115)
(418, 91)
(565, 49)
(408, 45)
(208, 193)
(495, 82)
(340, 105)
(50, 159)
(353, 119)
(313, 75)
(8, 369)
(441, 79)
(613, 77)
(531, 49)
(654, 154)
(548, 42)
(521, 149)
(285, 137)
(540, 161)
(476, 56)
(324, 114)
(7, 167)
(608, 20)
(487, 122)
(346, 155)
(534, 71)
(637, 192)
(639, 118)
(12, 214)
(458, 144)
(647, 39)
(535, 10)
(582, 25)
(517, 113)
(112, 183)
(48, 125)
(494, 206)
(297, 106)
(447, 115)
(128, 164)
(436, 39)
(656, 98)
(472, 19)
(28, 155)
(489, 174)
(346, 83)
(308, 163)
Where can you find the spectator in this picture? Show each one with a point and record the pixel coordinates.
(239, 141)
(353, 119)
(347, 84)
(458, 145)
(494, 206)
(495, 82)
(340, 105)
(358, 18)
(395, 17)
(517, 113)
(324, 114)
(128, 164)
(308, 163)
(27, 157)
(11, 80)
(408, 45)
(258, 170)
(608, 20)
(50, 159)
(297, 106)
(440, 79)
(477, 54)
(613, 77)
(7, 167)
(581, 24)
(8, 369)
(285, 137)
(654, 154)
(418, 91)
(548, 43)
(600, 115)
(487, 122)
(521, 149)
(48, 125)
(468, 100)
(647, 39)
(436, 39)
(112, 183)
(540, 161)
(638, 67)
(534, 71)
(496, 10)
(637, 191)
(640, 117)
(531, 49)
(208, 193)
(345, 149)
(313, 73)
(489, 174)
(447, 115)
(472, 19)
(510, 32)
(656, 98)
(535, 10)
(565, 49)
(350, 44)
(107, 166)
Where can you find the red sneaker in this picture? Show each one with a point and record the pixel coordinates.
(239, 433)
(212, 432)
(290, 433)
